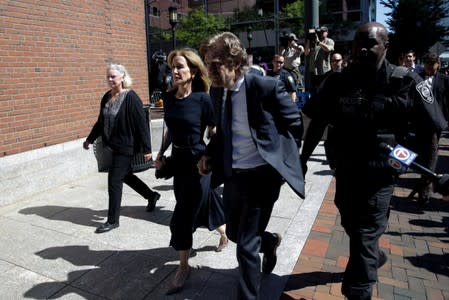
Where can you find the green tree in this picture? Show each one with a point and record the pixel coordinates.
(292, 15)
(415, 25)
(192, 29)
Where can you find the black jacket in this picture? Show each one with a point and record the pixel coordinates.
(131, 133)
(275, 126)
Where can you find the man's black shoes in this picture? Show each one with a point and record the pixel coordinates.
(107, 227)
(269, 256)
(152, 201)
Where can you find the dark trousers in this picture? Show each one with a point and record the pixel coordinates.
(249, 197)
(428, 157)
(363, 202)
(188, 190)
(119, 173)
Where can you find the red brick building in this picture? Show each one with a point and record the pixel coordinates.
(53, 56)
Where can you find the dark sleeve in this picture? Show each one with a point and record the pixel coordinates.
(140, 121)
(285, 112)
(208, 113)
(97, 129)
(428, 113)
(322, 103)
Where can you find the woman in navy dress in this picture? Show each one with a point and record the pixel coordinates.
(188, 112)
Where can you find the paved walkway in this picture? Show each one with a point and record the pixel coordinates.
(416, 241)
(48, 248)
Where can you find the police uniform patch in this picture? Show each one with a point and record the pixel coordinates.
(425, 90)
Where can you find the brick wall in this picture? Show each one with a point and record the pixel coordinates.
(53, 57)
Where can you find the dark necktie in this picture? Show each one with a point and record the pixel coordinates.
(227, 135)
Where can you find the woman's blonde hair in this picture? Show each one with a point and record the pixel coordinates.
(127, 80)
(200, 81)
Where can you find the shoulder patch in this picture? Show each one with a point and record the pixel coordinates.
(425, 90)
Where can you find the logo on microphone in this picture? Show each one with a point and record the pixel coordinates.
(401, 158)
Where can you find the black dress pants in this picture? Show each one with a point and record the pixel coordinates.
(249, 196)
(120, 172)
(363, 200)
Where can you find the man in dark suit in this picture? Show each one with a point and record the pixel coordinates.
(255, 147)
(435, 87)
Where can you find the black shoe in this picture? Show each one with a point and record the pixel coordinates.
(423, 200)
(152, 201)
(106, 227)
(382, 259)
(270, 257)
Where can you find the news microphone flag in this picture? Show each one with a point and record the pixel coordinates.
(400, 158)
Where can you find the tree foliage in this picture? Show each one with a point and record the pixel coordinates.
(415, 25)
(192, 29)
(293, 14)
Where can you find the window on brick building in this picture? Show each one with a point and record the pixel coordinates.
(155, 11)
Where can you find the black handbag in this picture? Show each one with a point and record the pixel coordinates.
(168, 168)
(103, 154)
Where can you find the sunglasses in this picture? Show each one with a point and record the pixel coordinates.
(278, 62)
(336, 60)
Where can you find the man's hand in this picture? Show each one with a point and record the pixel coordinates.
(204, 165)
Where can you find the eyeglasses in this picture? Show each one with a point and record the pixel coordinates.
(336, 60)
(278, 62)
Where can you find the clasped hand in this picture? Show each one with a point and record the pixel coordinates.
(204, 165)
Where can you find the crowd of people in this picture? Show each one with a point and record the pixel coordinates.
(255, 131)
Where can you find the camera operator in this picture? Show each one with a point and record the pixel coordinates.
(318, 49)
(292, 57)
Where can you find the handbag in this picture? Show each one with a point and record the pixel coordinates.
(103, 154)
(168, 168)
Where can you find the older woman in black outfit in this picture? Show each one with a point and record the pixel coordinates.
(123, 128)
(188, 111)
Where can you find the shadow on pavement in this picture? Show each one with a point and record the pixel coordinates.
(140, 274)
(435, 263)
(85, 216)
(303, 280)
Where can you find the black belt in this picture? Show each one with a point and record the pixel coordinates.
(182, 147)
(237, 171)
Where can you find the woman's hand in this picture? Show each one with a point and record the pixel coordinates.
(204, 165)
(86, 144)
(159, 162)
(147, 156)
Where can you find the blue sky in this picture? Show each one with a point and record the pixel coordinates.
(380, 13)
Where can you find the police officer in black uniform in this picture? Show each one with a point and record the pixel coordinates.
(370, 102)
(285, 76)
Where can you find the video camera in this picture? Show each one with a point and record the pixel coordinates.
(315, 32)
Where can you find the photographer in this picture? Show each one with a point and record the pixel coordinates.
(292, 55)
(318, 49)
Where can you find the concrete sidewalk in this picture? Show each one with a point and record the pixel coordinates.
(48, 248)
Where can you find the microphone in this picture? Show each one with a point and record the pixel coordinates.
(401, 158)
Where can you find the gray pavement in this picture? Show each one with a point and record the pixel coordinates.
(48, 248)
